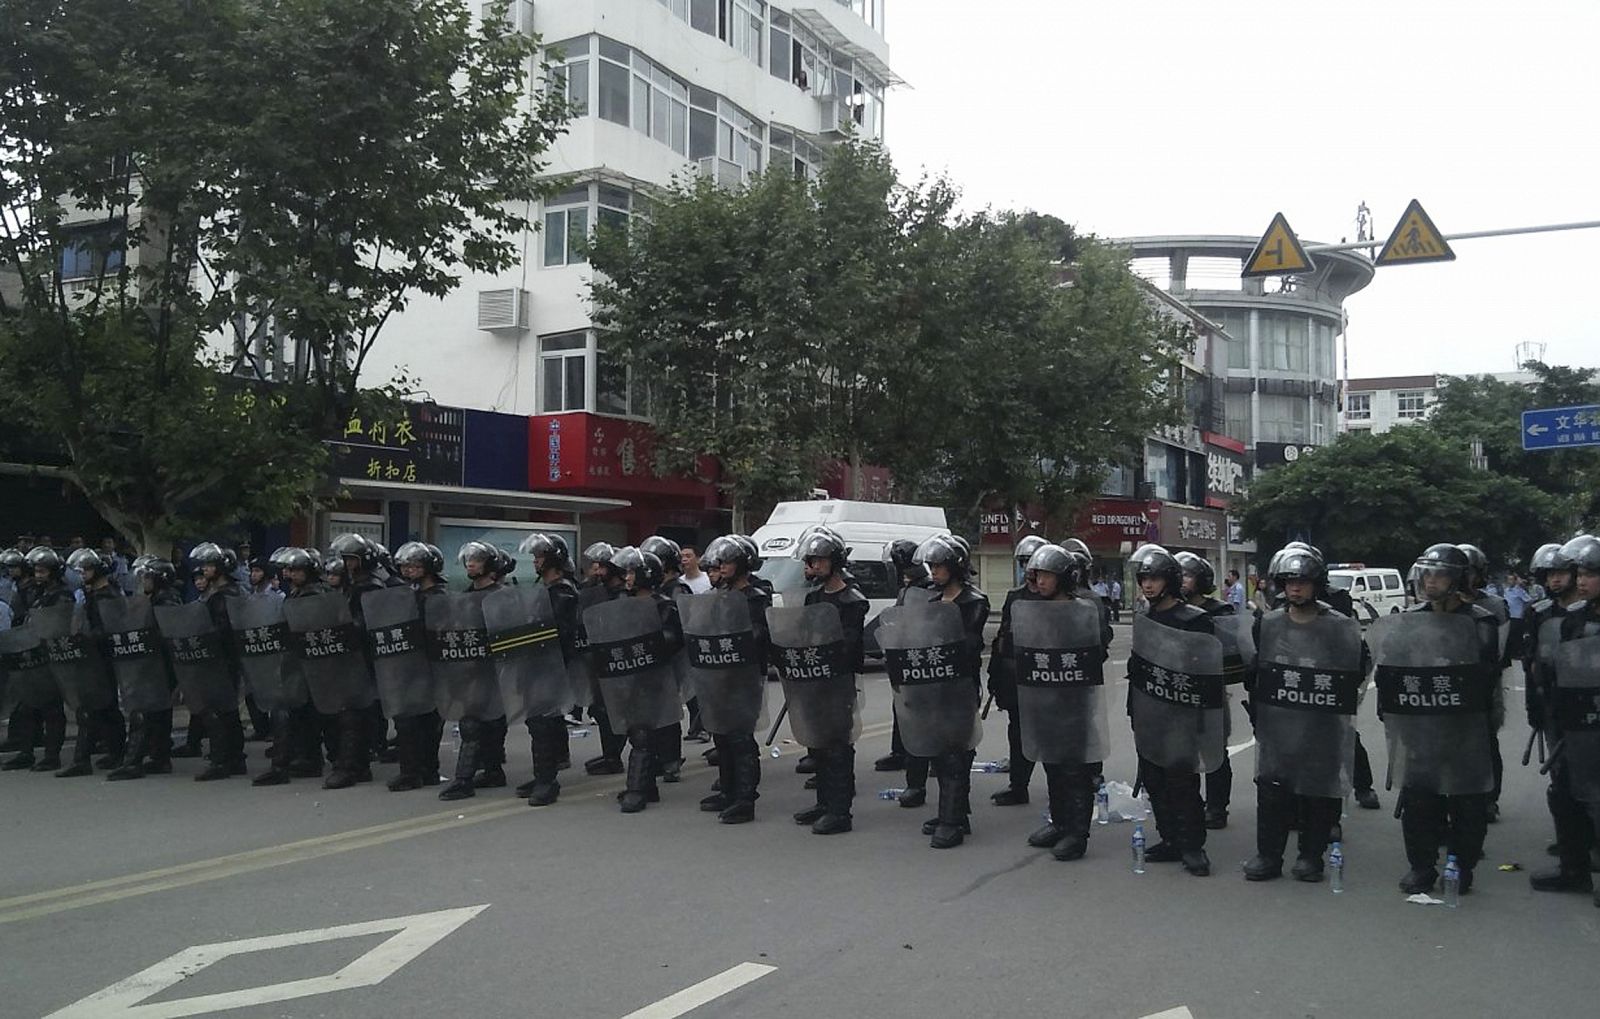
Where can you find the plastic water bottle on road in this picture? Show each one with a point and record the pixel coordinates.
(1102, 805)
(890, 794)
(776, 753)
(985, 767)
(1336, 868)
(1138, 848)
(1452, 882)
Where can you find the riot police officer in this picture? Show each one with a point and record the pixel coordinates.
(825, 557)
(417, 736)
(149, 745)
(1200, 590)
(547, 734)
(216, 565)
(97, 727)
(1003, 679)
(1305, 685)
(737, 756)
(911, 577)
(480, 560)
(1439, 719)
(1158, 659)
(1058, 649)
(644, 577)
(43, 722)
(1474, 593)
(949, 567)
(1572, 696)
(602, 581)
(363, 565)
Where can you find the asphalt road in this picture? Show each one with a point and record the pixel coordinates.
(578, 911)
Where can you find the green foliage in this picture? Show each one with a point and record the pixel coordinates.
(1382, 499)
(237, 182)
(853, 318)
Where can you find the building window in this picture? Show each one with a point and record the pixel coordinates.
(1358, 407)
(1285, 343)
(569, 72)
(566, 227)
(739, 23)
(791, 149)
(91, 252)
(618, 390)
(564, 369)
(1411, 404)
(1284, 419)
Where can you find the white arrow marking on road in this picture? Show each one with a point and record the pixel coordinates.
(1237, 748)
(1537, 429)
(691, 998)
(1172, 1013)
(413, 936)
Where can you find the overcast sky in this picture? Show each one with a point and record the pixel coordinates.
(1129, 118)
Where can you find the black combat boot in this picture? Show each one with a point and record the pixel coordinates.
(837, 787)
(952, 826)
(280, 753)
(409, 753)
(1015, 794)
(26, 726)
(1219, 791)
(641, 789)
(354, 761)
(610, 760)
(158, 742)
(492, 755)
(1274, 802)
(226, 733)
(1055, 827)
(111, 730)
(82, 747)
(1079, 812)
(916, 794)
(1321, 814)
(132, 765)
(461, 786)
(1573, 833)
(1422, 830)
(747, 781)
(723, 790)
(549, 739)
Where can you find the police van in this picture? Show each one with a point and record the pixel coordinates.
(1382, 590)
(866, 528)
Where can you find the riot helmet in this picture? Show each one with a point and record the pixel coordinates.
(599, 552)
(1156, 561)
(1543, 564)
(305, 561)
(422, 556)
(90, 560)
(333, 568)
(900, 556)
(666, 550)
(210, 554)
(1056, 560)
(1299, 564)
(1026, 548)
(154, 573)
(823, 544)
(1442, 560)
(43, 557)
(642, 569)
(728, 550)
(1583, 552)
(1200, 568)
(548, 552)
(945, 550)
(358, 547)
(11, 559)
(1477, 566)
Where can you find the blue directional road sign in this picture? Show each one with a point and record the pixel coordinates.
(1561, 427)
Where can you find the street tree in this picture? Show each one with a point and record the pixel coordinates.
(211, 210)
(1382, 499)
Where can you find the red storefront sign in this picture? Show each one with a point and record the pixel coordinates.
(593, 453)
(1106, 523)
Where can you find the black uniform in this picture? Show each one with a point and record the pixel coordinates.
(48, 725)
(224, 728)
(102, 727)
(738, 756)
(916, 768)
(483, 740)
(1460, 823)
(24, 719)
(1219, 783)
(547, 734)
(1003, 687)
(836, 767)
(297, 733)
(416, 737)
(1071, 787)
(611, 744)
(953, 768)
(1577, 823)
(1175, 795)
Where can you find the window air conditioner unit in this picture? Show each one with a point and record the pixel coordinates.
(518, 16)
(503, 310)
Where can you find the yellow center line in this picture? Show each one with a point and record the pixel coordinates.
(91, 893)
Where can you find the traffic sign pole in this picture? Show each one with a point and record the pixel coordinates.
(1509, 231)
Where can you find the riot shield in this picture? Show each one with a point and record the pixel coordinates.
(326, 641)
(1238, 642)
(458, 647)
(81, 674)
(627, 652)
(935, 693)
(1435, 696)
(1061, 696)
(133, 645)
(525, 646)
(1502, 617)
(199, 660)
(722, 665)
(261, 636)
(27, 669)
(1176, 697)
(818, 684)
(1577, 715)
(397, 645)
(585, 686)
(1308, 682)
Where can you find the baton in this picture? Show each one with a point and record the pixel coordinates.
(1527, 751)
(782, 713)
(1399, 804)
(1388, 777)
(983, 715)
(1541, 746)
(1555, 752)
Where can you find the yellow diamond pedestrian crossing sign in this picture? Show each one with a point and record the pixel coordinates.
(1279, 253)
(1415, 239)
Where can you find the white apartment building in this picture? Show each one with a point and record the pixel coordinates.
(1378, 404)
(662, 88)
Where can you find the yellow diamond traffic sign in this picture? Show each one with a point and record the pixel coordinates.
(1279, 253)
(1415, 239)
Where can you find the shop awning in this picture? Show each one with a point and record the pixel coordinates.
(551, 501)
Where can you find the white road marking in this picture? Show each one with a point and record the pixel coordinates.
(1233, 751)
(1172, 1013)
(413, 935)
(691, 998)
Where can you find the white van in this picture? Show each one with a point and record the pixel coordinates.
(1383, 590)
(865, 526)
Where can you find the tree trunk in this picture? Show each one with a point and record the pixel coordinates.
(854, 487)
